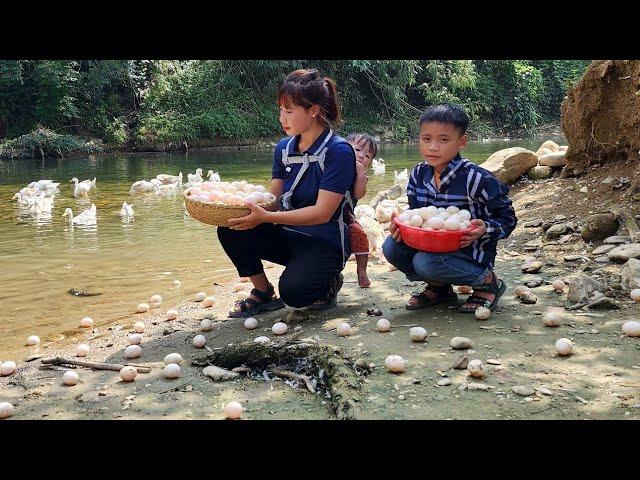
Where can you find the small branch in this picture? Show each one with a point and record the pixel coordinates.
(294, 376)
(94, 365)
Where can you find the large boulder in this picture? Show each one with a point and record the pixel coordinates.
(581, 286)
(539, 172)
(600, 116)
(599, 227)
(554, 159)
(549, 145)
(623, 253)
(511, 163)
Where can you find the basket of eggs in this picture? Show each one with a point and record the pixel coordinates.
(214, 203)
(433, 229)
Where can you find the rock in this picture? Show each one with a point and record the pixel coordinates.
(581, 286)
(602, 249)
(445, 382)
(604, 303)
(528, 298)
(572, 258)
(461, 363)
(398, 190)
(533, 224)
(543, 391)
(599, 227)
(478, 386)
(556, 231)
(539, 172)
(601, 259)
(510, 164)
(607, 181)
(630, 274)
(549, 145)
(623, 253)
(617, 240)
(531, 267)
(553, 159)
(219, 374)
(523, 390)
(383, 195)
(460, 343)
(535, 282)
(584, 190)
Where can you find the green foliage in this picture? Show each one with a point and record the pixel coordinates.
(44, 142)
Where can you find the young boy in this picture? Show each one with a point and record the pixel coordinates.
(366, 148)
(444, 179)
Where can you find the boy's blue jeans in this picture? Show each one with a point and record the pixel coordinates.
(440, 268)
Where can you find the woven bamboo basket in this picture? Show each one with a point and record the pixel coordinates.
(218, 214)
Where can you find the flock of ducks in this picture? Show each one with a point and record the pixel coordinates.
(38, 196)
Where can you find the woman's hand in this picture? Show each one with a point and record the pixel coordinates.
(257, 216)
(470, 237)
(393, 228)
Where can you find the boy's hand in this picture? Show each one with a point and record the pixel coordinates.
(470, 237)
(360, 169)
(393, 228)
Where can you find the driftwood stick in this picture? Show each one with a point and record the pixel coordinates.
(94, 365)
(294, 376)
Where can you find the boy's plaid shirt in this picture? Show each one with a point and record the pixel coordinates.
(466, 185)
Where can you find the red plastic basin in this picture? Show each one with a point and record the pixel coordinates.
(436, 241)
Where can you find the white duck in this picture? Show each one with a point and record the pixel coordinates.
(213, 177)
(143, 186)
(126, 210)
(82, 188)
(45, 185)
(196, 177)
(42, 204)
(88, 217)
(170, 179)
(402, 177)
(378, 166)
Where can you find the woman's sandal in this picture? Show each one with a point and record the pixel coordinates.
(494, 287)
(249, 307)
(335, 284)
(443, 294)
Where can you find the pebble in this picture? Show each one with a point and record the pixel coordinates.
(460, 343)
(493, 361)
(445, 382)
(602, 249)
(523, 391)
(617, 239)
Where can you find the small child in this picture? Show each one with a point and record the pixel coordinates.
(444, 179)
(366, 148)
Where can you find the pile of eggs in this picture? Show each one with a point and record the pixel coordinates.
(433, 218)
(230, 193)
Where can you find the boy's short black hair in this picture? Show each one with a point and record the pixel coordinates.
(368, 141)
(447, 113)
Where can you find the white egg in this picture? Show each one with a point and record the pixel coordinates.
(476, 368)
(635, 294)
(551, 319)
(6, 410)
(433, 210)
(206, 325)
(232, 410)
(200, 296)
(416, 220)
(383, 325)
(395, 364)
(404, 217)
(279, 328)
(33, 340)
(455, 217)
(143, 308)
(209, 302)
(631, 329)
(176, 283)
(171, 314)
(564, 346)
(203, 197)
(82, 350)
(7, 368)
(239, 287)
(436, 223)
(464, 214)
(133, 351)
(558, 285)
(417, 334)
(138, 327)
(86, 322)
(452, 210)
(70, 378)
(199, 341)
(424, 213)
(173, 358)
(451, 224)
(482, 313)
(263, 340)
(135, 339)
(156, 299)
(128, 373)
(250, 323)
(261, 189)
(344, 329)
(171, 370)
(441, 210)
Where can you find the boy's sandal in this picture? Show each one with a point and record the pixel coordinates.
(249, 307)
(474, 301)
(335, 284)
(420, 300)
